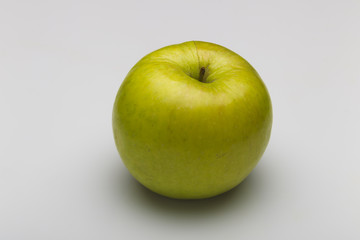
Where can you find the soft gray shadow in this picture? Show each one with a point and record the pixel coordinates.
(242, 198)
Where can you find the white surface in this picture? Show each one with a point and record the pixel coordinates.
(62, 62)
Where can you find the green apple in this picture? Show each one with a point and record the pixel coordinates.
(192, 120)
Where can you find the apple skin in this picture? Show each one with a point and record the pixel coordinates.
(188, 136)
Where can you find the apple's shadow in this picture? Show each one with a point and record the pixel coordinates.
(242, 198)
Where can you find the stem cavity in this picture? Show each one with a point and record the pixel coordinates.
(202, 74)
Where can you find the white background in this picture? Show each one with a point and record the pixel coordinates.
(62, 62)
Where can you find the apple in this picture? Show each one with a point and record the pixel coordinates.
(192, 120)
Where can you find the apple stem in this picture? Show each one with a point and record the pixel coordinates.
(202, 73)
